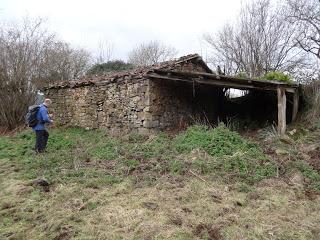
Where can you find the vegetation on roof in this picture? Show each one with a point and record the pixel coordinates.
(276, 76)
(270, 76)
(110, 66)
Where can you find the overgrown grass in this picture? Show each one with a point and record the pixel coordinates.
(231, 153)
(100, 185)
(85, 156)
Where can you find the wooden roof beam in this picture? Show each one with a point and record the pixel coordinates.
(209, 76)
(219, 83)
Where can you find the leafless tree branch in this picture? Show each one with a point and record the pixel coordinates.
(151, 53)
(260, 41)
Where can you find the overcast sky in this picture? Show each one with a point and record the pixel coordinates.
(126, 23)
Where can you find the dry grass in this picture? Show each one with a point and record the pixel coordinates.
(189, 209)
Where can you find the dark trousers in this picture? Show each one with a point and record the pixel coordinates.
(41, 140)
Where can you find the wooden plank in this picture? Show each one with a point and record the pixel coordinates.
(191, 80)
(295, 105)
(281, 111)
(219, 83)
(260, 83)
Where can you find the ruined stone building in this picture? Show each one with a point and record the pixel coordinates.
(168, 95)
(125, 101)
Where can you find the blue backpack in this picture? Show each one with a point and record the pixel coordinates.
(31, 116)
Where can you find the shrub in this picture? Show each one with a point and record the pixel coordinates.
(219, 141)
(110, 66)
(241, 75)
(276, 76)
(231, 153)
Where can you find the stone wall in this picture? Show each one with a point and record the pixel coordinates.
(120, 106)
(131, 103)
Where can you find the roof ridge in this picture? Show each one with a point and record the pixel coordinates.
(139, 70)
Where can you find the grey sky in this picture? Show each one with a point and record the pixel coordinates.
(127, 23)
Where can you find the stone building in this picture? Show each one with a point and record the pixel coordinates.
(169, 95)
(130, 100)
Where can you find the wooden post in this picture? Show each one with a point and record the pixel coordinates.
(295, 105)
(281, 110)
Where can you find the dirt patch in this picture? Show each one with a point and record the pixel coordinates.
(311, 195)
(176, 220)
(314, 160)
(209, 231)
(63, 236)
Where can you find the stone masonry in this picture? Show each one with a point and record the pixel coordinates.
(126, 101)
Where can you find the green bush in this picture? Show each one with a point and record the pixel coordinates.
(110, 66)
(231, 153)
(241, 75)
(219, 141)
(276, 76)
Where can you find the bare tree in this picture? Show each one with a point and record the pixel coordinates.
(305, 14)
(260, 41)
(61, 62)
(151, 53)
(105, 52)
(31, 57)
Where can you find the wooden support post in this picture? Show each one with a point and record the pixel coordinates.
(281, 111)
(295, 105)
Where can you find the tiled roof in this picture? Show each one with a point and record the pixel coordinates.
(138, 72)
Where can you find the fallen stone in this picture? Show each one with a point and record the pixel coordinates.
(297, 179)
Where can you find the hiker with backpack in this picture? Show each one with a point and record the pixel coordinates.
(37, 117)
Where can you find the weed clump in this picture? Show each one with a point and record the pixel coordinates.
(219, 141)
(231, 153)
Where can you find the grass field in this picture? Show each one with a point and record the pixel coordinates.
(200, 184)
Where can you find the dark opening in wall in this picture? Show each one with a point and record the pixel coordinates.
(251, 109)
(193, 103)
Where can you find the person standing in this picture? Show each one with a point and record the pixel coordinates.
(42, 134)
